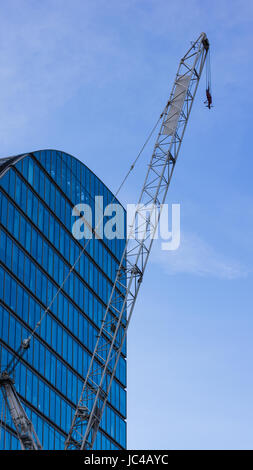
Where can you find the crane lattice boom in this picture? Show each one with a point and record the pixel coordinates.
(24, 427)
(97, 385)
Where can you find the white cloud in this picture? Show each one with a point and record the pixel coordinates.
(49, 51)
(195, 256)
(47, 54)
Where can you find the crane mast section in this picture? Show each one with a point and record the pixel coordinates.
(24, 428)
(97, 385)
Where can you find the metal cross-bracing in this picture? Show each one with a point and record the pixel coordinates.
(23, 426)
(112, 334)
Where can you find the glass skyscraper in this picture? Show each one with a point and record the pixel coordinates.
(38, 191)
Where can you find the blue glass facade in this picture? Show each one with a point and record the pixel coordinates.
(37, 194)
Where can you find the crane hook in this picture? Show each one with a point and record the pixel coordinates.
(209, 99)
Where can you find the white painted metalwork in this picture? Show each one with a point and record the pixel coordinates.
(24, 427)
(97, 385)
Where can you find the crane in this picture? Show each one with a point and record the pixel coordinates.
(130, 273)
(24, 427)
(112, 334)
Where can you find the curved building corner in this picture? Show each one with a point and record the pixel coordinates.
(38, 191)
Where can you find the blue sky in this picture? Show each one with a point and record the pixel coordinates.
(90, 77)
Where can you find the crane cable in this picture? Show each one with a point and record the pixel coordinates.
(26, 342)
(208, 72)
(209, 98)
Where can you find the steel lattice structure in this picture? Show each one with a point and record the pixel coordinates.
(121, 304)
(24, 427)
